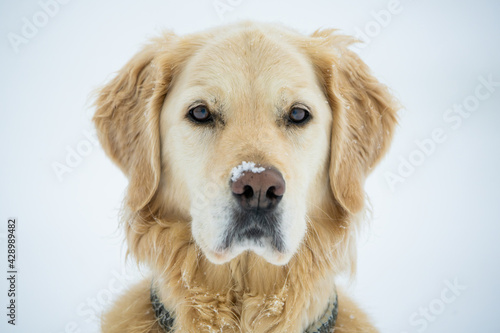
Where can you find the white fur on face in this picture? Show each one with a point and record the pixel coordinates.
(200, 159)
(218, 212)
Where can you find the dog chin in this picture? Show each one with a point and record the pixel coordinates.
(265, 251)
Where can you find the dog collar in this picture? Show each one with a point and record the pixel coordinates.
(324, 325)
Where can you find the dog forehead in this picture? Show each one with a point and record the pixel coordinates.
(250, 65)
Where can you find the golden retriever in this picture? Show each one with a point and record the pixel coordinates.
(246, 148)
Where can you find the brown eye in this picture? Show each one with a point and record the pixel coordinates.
(200, 114)
(298, 115)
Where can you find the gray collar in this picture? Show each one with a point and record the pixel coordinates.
(324, 325)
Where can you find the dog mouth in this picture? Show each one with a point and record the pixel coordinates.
(253, 231)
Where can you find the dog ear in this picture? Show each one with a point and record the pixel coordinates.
(127, 120)
(364, 117)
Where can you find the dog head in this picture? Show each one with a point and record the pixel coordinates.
(242, 133)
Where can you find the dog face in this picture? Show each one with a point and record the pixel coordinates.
(244, 132)
(246, 98)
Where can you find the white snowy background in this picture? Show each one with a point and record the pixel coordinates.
(435, 226)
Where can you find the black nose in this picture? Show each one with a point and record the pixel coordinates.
(259, 191)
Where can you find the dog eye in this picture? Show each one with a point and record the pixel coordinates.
(200, 114)
(298, 115)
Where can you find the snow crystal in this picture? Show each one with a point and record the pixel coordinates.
(239, 170)
(275, 304)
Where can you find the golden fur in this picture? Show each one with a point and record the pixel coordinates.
(143, 136)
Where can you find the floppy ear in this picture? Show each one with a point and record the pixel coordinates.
(364, 117)
(127, 120)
